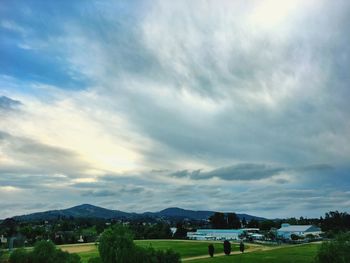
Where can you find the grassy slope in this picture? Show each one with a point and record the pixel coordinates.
(297, 254)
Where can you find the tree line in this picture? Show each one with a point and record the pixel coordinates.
(333, 221)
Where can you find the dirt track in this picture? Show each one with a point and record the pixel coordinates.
(77, 248)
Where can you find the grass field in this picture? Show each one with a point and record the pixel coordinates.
(262, 254)
(185, 248)
(189, 249)
(294, 254)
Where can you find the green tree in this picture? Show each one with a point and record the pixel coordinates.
(218, 220)
(253, 223)
(336, 251)
(44, 252)
(116, 245)
(20, 256)
(233, 221)
(227, 247)
(181, 232)
(241, 247)
(211, 250)
(266, 225)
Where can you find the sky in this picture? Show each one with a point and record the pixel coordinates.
(207, 105)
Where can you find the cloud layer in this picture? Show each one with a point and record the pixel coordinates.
(149, 104)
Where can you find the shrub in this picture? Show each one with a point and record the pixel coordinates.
(95, 260)
(294, 237)
(20, 256)
(116, 246)
(227, 247)
(241, 247)
(336, 251)
(62, 256)
(168, 256)
(211, 250)
(44, 252)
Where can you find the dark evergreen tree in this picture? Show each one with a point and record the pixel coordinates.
(253, 223)
(233, 221)
(227, 247)
(181, 232)
(241, 247)
(218, 221)
(211, 250)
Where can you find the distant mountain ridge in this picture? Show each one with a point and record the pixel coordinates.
(91, 211)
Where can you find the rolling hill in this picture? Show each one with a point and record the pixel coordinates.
(91, 211)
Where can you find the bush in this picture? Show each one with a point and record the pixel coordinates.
(336, 251)
(95, 260)
(62, 256)
(44, 252)
(241, 247)
(294, 237)
(20, 256)
(211, 250)
(167, 256)
(117, 246)
(227, 247)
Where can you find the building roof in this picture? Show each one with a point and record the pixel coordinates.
(298, 228)
(220, 230)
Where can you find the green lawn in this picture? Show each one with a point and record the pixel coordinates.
(184, 248)
(289, 254)
(85, 256)
(4, 256)
(295, 254)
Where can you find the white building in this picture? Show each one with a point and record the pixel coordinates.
(3, 239)
(219, 234)
(173, 230)
(287, 230)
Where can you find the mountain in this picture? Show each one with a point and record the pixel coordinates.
(91, 211)
(80, 211)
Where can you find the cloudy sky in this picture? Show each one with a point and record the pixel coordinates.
(142, 105)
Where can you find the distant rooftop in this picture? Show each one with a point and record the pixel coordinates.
(220, 230)
(296, 228)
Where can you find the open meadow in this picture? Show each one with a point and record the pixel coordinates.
(187, 249)
(197, 252)
(290, 254)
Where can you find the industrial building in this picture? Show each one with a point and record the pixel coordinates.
(287, 230)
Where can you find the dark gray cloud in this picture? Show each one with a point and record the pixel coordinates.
(250, 171)
(246, 171)
(114, 191)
